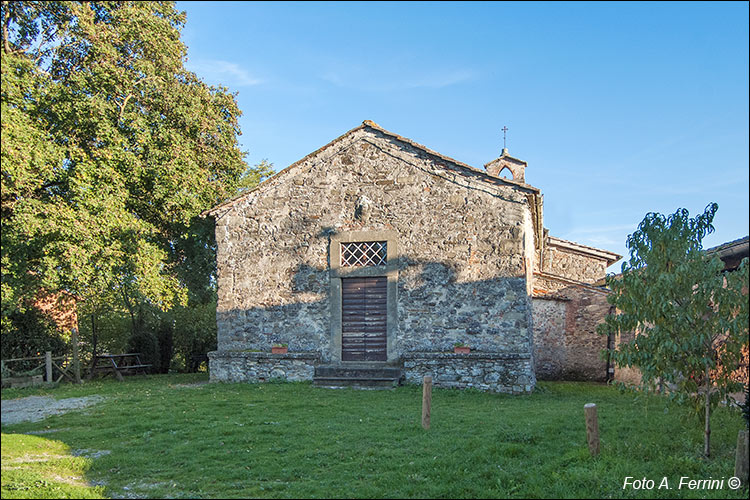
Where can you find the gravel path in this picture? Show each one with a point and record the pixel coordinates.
(36, 408)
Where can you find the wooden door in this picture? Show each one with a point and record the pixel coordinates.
(364, 319)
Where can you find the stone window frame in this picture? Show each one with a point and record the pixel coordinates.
(337, 272)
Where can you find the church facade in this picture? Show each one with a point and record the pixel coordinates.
(376, 253)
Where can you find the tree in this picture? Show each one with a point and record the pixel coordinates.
(110, 150)
(38, 332)
(690, 318)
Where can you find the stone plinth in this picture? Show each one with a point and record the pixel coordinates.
(244, 366)
(496, 372)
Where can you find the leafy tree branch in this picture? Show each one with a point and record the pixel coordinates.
(690, 319)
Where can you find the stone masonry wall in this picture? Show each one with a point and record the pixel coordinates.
(572, 265)
(549, 337)
(586, 309)
(461, 271)
(242, 366)
(511, 374)
(566, 343)
(566, 314)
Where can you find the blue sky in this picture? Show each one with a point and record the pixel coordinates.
(619, 108)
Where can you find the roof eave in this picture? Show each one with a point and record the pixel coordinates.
(610, 257)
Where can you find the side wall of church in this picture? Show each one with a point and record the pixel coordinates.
(549, 337)
(586, 308)
(460, 264)
(566, 344)
(572, 265)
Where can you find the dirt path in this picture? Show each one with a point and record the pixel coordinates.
(36, 408)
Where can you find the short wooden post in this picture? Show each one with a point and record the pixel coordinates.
(741, 458)
(76, 360)
(48, 365)
(592, 428)
(426, 401)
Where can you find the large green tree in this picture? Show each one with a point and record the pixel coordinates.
(690, 318)
(110, 149)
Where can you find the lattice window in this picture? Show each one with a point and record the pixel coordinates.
(363, 253)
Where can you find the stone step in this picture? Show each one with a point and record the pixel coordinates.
(358, 371)
(364, 376)
(357, 383)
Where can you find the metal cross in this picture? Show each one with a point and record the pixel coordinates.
(504, 129)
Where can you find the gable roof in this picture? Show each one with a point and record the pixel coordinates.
(455, 165)
(732, 252)
(609, 257)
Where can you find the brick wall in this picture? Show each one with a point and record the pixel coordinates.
(549, 337)
(566, 344)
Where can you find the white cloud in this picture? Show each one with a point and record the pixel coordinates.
(222, 72)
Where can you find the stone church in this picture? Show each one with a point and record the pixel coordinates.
(374, 256)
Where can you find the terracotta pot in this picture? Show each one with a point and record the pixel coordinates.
(462, 350)
(279, 350)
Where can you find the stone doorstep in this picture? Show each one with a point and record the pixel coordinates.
(364, 371)
(356, 383)
(360, 375)
(358, 387)
(357, 380)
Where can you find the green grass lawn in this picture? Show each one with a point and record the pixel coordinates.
(166, 440)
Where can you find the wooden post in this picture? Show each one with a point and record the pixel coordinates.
(48, 365)
(426, 401)
(76, 360)
(592, 428)
(741, 458)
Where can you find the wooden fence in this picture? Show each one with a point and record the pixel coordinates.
(47, 366)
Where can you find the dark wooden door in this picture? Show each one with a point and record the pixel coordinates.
(364, 312)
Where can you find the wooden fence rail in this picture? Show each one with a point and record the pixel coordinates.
(70, 369)
(47, 365)
(30, 359)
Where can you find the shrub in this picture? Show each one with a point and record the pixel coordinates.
(146, 343)
(27, 333)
